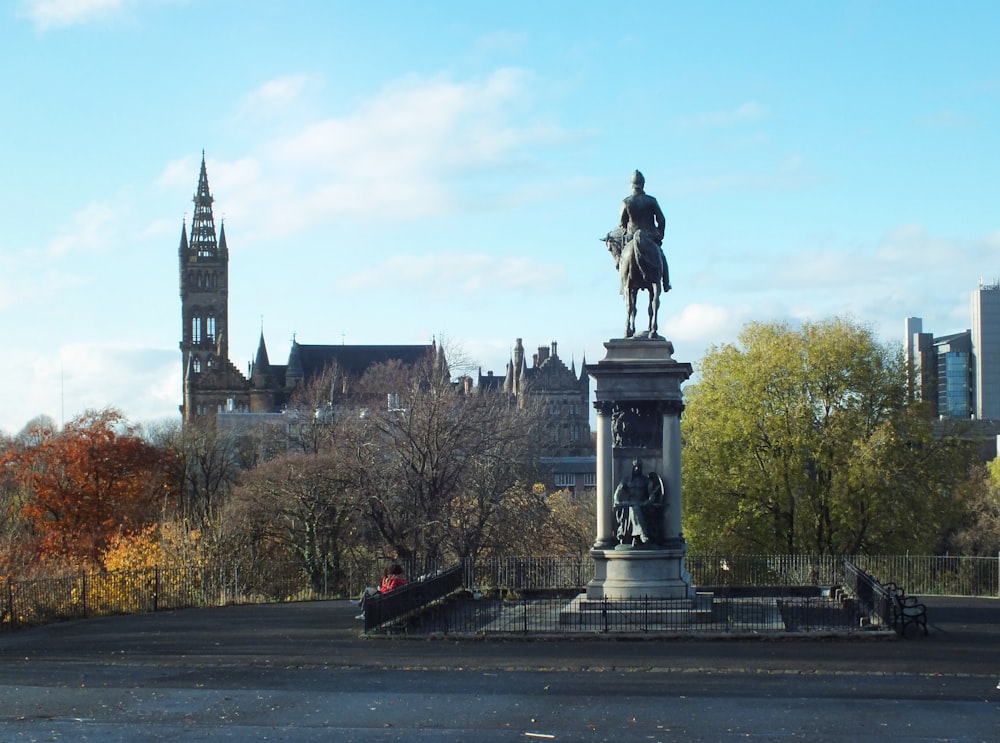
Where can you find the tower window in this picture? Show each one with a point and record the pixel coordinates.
(196, 330)
(196, 366)
(210, 330)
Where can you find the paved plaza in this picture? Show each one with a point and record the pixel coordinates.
(304, 672)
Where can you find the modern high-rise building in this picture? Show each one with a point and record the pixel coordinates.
(941, 370)
(922, 377)
(955, 377)
(959, 374)
(986, 350)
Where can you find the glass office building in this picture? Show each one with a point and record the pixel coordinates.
(954, 375)
(942, 373)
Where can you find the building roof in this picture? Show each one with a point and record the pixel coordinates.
(354, 360)
(307, 361)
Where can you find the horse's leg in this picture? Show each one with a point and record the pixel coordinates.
(633, 300)
(654, 307)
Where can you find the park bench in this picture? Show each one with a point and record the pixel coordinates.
(411, 598)
(888, 602)
(906, 610)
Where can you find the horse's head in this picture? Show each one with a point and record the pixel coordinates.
(615, 240)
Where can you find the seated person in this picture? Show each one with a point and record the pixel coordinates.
(391, 580)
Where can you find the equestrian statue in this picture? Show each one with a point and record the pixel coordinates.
(636, 246)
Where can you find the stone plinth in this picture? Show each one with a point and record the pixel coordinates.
(640, 574)
(639, 403)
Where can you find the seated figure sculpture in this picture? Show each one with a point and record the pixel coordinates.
(640, 505)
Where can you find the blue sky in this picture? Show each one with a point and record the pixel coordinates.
(394, 172)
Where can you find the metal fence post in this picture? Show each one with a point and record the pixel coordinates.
(10, 602)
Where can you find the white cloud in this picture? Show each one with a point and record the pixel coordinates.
(179, 173)
(407, 142)
(275, 96)
(415, 125)
(421, 147)
(461, 274)
(501, 42)
(791, 174)
(91, 230)
(744, 113)
(31, 281)
(947, 120)
(699, 321)
(141, 382)
(46, 14)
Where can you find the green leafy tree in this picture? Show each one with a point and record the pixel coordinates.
(978, 531)
(801, 441)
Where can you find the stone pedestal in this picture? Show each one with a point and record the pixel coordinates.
(639, 403)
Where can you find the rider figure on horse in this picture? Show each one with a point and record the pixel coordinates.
(643, 222)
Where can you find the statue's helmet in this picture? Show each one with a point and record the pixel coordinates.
(638, 179)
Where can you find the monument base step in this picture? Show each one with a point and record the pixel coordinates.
(653, 612)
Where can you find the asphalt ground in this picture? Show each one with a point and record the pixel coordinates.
(304, 672)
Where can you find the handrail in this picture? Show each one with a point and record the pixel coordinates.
(386, 607)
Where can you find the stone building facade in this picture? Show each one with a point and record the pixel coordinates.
(215, 389)
(563, 393)
(212, 383)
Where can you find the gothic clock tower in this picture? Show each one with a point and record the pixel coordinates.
(211, 382)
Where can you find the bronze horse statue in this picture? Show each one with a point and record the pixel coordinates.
(640, 265)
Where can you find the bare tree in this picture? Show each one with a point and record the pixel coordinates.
(208, 464)
(433, 468)
(299, 505)
(316, 407)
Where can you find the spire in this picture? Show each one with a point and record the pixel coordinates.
(521, 377)
(294, 374)
(182, 252)
(441, 363)
(203, 242)
(261, 364)
(519, 366)
(223, 248)
(508, 380)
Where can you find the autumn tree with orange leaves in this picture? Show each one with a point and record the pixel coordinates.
(84, 485)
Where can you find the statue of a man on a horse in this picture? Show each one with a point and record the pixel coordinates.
(637, 249)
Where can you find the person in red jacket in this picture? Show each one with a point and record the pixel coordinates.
(391, 580)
